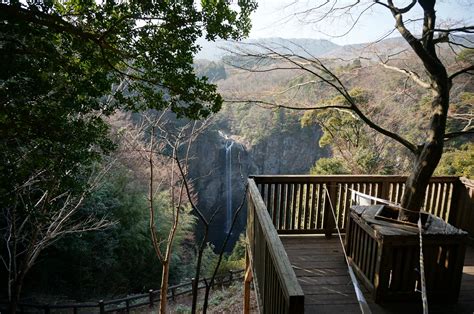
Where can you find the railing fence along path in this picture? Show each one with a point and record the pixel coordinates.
(276, 285)
(125, 304)
(299, 204)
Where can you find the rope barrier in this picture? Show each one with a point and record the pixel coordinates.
(364, 307)
(424, 297)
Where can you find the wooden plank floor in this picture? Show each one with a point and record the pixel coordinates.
(322, 273)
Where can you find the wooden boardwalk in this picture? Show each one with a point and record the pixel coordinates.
(322, 273)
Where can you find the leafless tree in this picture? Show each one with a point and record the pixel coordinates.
(436, 80)
(34, 223)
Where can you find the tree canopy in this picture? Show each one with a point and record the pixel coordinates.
(65, 66)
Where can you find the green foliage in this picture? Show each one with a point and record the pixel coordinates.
(327, 166)
(355, 146)
(466, 55)
(63, 63)
(255, 124)
(182, 309)
(457, 162)
(121, 259)
(68, 64)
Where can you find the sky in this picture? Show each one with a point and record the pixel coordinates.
(276, 18)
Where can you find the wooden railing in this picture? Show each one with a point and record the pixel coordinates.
(300, 204)
(464, 203)
(125, 304)
(276, 285)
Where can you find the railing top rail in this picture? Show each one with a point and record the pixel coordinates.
(342, 178)
(275, 247)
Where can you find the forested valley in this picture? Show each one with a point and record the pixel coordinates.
(135, 168)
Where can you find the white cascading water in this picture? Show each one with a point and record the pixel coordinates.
(228, 182)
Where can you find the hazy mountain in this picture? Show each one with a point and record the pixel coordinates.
(391, 46)
(308, 47)
(302, 46)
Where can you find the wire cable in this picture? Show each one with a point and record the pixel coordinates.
(364, 307)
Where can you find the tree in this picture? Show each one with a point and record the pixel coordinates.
(174, 142)
(66, 65)
(425, 153)
(360, 149)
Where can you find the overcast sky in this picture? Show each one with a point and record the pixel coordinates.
(275, 18)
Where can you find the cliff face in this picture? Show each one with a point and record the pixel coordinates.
(289, 152)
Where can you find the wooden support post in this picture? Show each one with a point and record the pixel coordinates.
(329, 222)
(230, 277)
(173, 293)
(46, 309)
(247, 281)
(101, 307)
(193, 282)
(150, 297)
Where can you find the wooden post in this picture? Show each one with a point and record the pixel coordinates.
(74, 310)
(193, 282)
(46, 309)
(150, 297)
(101, 307)
(457, 204)
(247, 280)
(329, 222)
(230, 276)
(127, 305)
(173, 293)
(385, 189)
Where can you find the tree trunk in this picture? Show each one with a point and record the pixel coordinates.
(429, 155)
(164, 287)
(198, 270)
(15, 296)
(417, 182)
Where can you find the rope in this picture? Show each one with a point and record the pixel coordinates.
(364, 307)
(424, 297)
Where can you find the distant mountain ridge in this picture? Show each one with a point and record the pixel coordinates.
(311, 47)
(214, 51)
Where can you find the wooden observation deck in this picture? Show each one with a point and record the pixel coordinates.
(294, 255)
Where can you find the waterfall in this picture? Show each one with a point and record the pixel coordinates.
(228, 182)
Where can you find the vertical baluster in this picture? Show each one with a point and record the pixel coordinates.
(289, 203)
(307, 210)
(321, 198)
(347, 204)
(283, 208)
(295, 194)
(269, 199)
(444, 202)
(313, 207)
(438, 200)
(300, 205)
(426, 205)
(275, 204)
(432, 198)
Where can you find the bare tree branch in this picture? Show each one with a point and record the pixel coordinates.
(413, 75)
(468, 70)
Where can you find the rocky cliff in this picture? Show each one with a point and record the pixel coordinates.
(289, 151)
